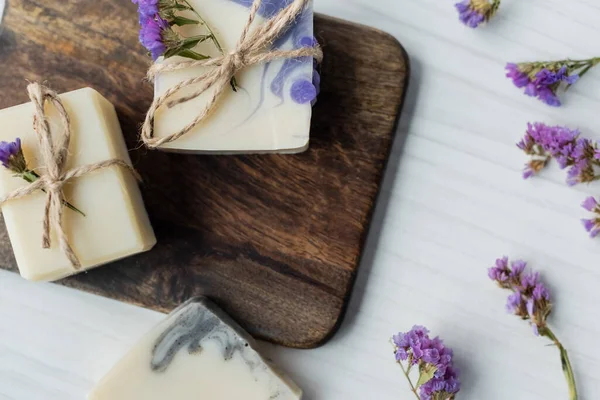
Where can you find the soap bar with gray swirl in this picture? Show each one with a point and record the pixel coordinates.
(196, 353)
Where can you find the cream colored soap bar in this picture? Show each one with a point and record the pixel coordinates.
(272, 110)
(196, 353)
(116, 224)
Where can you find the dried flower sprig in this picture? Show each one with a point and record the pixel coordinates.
(545, 79)
(580, 155)
(475, 12)
(530, 300)
(157, 19)
(438, 378)
(592, 225)
(13, 159)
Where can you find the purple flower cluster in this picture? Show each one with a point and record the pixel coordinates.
(543, 142)
(592, 225)
(151, 36)
(147, 9)
(541, 83)
(11, 156)
(530, 299)
(152, 27)
(418, 349)
(475, 12)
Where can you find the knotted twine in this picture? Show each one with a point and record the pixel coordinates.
(252, 48)
(53, 160)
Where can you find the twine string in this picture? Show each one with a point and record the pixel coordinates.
(54, 159)
(252, 48)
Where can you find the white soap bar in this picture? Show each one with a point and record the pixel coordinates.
(266, 114)
(196, 353)
(116, 224)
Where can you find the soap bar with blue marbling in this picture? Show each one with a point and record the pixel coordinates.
(271, 111)
(197, 352)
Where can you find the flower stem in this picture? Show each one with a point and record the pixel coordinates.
(495, 7)
(566, 363)
(203, 22)
(213, 38)
(412, 387)
(32, 176)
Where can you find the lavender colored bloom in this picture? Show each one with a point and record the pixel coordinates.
(431, 356)
(530, 280)
(588, 224)
(544, 80)
(400, 340)
(518, 266)
(151, 36)
(498, 274)
(530, 298)
(592, 226)
(548, 96)
(11, 156)
(147, 8)
(531, 293)
(519, 78)
(540, 292)
(528, 172)
(571, 151)
(547, 82)
(514, 302)
(506, 275)
(9, 150)
(590, 203)
(576, 172)
(473, 13)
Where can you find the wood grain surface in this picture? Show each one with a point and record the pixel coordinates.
(274, 239)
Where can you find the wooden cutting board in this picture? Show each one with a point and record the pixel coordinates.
(276, 240)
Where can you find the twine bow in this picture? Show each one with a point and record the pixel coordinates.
(54, 157)
(252, 48)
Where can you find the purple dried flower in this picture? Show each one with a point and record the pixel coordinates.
(530, 300)
(589, 203)
(540, 292)
(11, 156)
(475, 12)
(592, 225)
(527, 290)
(529, 281)
(519, 78)
(544, 142)
(151, 36)
(544, 79)
(514, 302)
(147, 9)
(439, 378)
(518, 266)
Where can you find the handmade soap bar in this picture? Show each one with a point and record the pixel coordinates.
(271, 111)
(196, 353)
(115, 224)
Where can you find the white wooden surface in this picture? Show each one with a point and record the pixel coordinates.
(453, 201)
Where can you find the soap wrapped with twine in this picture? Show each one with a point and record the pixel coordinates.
(53, 162)
(252, 48)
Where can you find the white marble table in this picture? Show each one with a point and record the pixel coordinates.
(453, 201)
